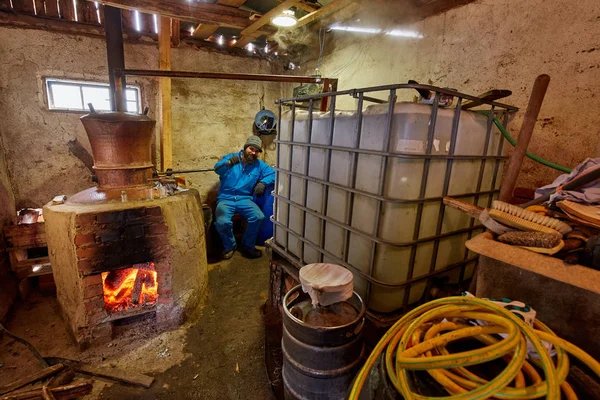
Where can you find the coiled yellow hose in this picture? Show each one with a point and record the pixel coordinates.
(417, 342)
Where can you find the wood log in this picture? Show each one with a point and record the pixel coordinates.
(64, 377)
(52, 9)
(72, 391)
(470, 209)
(47, 394)
(38, 376)
(138, 285)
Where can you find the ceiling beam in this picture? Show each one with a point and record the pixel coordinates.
(322, 12)
(204, 31)
(250, 33)
(188, 11)
(310, 7)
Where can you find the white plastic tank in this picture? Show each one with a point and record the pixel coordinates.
(403, 179)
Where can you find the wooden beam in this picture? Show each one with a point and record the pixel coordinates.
(204, 31)
(262, 21)
(35, 377)
(67, 11)
(176, 32)
(310, 7)
(52, 8)
(39, 8)
(231, 3)
(188, 11)
(244, 40)
(164, 63)
(322, 12)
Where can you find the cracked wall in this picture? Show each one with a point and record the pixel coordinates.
(44, 148)
(498, 44)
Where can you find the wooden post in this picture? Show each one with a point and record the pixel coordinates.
(116, 57)
(509, 180)
(176, 32)
(164, 63)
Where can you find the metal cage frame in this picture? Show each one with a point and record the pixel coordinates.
(495, 109)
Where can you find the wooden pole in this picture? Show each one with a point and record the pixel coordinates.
(164, 63)
(116, 56)
(509, 179)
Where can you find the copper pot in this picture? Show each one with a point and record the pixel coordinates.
(121, 146)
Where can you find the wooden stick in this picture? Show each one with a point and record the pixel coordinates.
(470, 209)
(47, 394)
(27, 344)
(38, 376)
(60, 393)
(63, 378)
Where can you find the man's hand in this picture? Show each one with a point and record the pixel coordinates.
(233, 160)
(259, 189)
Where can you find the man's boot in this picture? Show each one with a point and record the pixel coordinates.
(227, 254)
(251, 252)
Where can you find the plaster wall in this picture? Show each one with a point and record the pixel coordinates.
(502, 44)
(210, 118)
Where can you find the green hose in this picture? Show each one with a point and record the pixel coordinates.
(529, 154)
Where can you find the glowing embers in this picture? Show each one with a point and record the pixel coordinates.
(130, 287)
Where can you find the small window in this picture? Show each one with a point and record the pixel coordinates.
(74, 96)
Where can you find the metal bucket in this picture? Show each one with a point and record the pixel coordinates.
(320, 362)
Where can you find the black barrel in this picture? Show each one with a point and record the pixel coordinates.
(319, 362)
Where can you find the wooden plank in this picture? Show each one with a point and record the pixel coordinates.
(164, 63)
(176, 32)
(188, 11)
(113, 374)
(244, 40)
(28, 6)
(262, 21)
(204, 31)
(128, 21)
(334, 6)
(67, 11)
(73, 391)
(40, 11)
(38, 376)
(25, 235)
(52, 8)
(89, 12)
(147, 23)
(310, 7)
(231, 3)
(79, 9)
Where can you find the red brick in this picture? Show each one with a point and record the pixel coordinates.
(84, 239)
(88, 252)
(156, 229)
(156, 211)
(93, 291)
(92, 279)
(85, 219)
(94, 305)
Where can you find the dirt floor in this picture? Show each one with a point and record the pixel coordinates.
(217, 355)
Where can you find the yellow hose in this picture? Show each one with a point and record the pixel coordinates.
(418, 342)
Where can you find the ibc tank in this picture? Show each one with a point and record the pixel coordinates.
(337, 210)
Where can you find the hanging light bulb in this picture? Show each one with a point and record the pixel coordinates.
(285, 19)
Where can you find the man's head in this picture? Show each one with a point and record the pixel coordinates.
(252, 147)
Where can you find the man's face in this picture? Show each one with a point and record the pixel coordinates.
(251, 153)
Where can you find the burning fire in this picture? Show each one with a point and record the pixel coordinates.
(130, 287)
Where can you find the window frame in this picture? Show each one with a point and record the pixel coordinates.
(49, 94)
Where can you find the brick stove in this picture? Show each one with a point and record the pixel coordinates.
(119, 252)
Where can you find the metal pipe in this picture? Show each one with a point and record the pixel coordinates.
(220, 75)
(516, 160)
(115, 56)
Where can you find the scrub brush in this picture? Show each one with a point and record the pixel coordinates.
(546, 243)
(522, 214)
(520, 223)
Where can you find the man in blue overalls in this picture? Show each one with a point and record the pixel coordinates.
(241, 175)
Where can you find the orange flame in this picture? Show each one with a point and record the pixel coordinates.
(129, 287)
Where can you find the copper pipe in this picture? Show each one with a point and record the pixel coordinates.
(219, 75)
(509, 179)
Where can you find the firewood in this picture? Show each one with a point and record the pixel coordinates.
(47, 394)
(63, 378)
(72, 391)
(38, 376)
(114, 280)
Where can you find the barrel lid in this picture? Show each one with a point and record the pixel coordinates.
(116, 116)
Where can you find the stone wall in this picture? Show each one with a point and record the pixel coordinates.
(495, 44)
(210, 118)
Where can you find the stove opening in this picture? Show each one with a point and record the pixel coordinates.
(130, 287)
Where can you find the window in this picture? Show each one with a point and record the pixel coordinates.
(74, 96)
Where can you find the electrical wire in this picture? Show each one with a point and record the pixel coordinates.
(418, 342)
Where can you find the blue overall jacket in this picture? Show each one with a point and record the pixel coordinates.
(237, 182)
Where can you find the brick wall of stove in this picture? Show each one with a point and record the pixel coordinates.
(118, 239)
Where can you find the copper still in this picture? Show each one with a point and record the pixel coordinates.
(122, 150)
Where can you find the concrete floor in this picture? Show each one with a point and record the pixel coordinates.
(217, 355)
